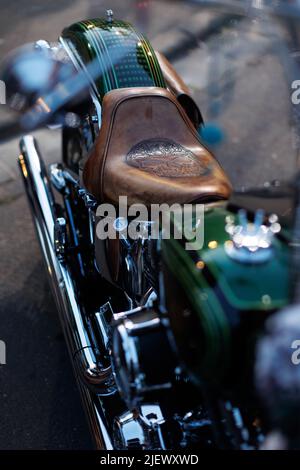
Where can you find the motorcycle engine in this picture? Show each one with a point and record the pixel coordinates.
(143, 361)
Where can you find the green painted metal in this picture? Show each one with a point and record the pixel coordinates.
(103, 41)
(227, 297)
(245, 286)
(213, 322)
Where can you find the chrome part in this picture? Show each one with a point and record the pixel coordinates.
(104, 319)
(60, 238)
(196, 423)
(129, 432)
(152, 415)
(102, 326)
(92, 226)
(71, 178)
(57, 177)
(127, 313)
(134, 254)
(251, 242)
(149, 298)
(97, 419)
(132, 269)
(99, 379)
(54, 49)
(44, 215)
(141, 430)
(136, 376)
(89, 201)
(42, 44)
(72, 120)
(232, 417)
(109, 16)
(147, 324)
(94, 118)
(120, 224)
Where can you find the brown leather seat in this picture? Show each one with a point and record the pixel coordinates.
(149, 151)
(182, 92)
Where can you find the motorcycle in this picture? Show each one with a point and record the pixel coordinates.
(161, 330)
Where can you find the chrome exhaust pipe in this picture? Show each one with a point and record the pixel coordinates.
(41, 201)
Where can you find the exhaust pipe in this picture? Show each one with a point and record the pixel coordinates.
(42, 205)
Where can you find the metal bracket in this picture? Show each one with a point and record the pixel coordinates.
(60, 238)
(89, 200)
(57, 177)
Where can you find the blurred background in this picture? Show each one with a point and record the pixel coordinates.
(39, 404)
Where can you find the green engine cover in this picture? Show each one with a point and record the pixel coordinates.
(221, 304)
(126, 58)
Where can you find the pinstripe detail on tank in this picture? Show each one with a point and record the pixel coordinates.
(102, 41)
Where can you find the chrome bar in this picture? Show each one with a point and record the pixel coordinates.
(83, 357)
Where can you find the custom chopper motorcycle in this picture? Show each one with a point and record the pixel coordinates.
(163, 339)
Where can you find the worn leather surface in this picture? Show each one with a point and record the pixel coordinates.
(173, 80)
(182, 92)
(149, 151)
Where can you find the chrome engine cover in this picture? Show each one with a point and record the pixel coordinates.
(140, 370)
